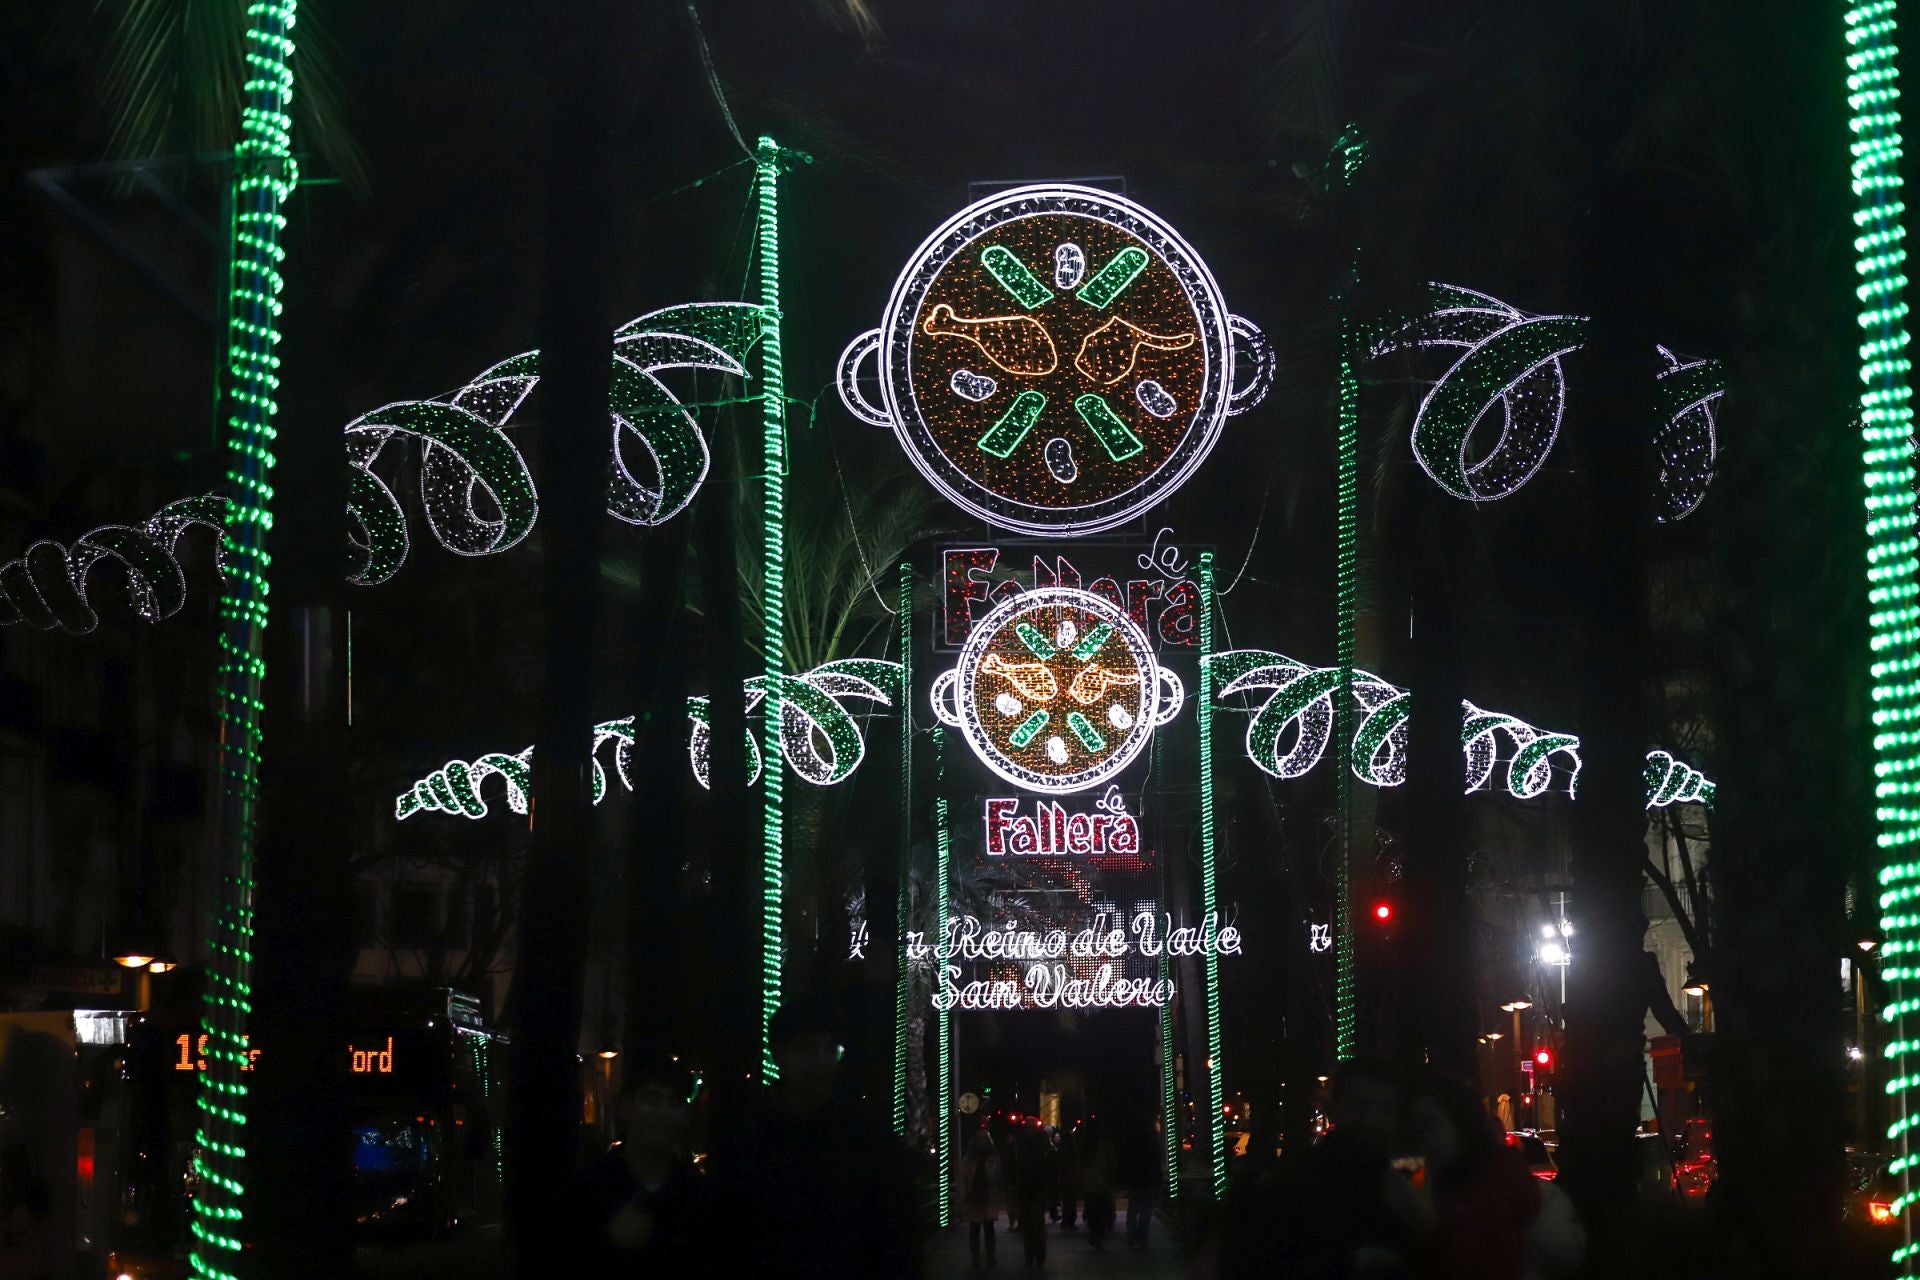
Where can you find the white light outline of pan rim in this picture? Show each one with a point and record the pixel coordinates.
(1218, 388)
(1123, 625)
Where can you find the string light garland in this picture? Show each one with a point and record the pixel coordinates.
(47, 586)
(819, 739)
(902, 992)
(1510, 376)
(1893, 543)
(769, 160)
(1350, 150)
(476, 490)
(1057, 690)
(475, 487)
(1289, 732)
(1687, 397)
(1059, 410)
(1209, 887)
(264, 175)
(943, 1089)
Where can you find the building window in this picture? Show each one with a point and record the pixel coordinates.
(458, 923)
(414, 922)
(366, 913)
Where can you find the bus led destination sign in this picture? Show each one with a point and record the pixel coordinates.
(377, 1060)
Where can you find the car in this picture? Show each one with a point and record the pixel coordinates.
(1871, 1191)
(1653, 1168)
(1533, 1149)
(1695, 1169)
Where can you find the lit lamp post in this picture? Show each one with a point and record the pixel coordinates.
(1521, 1086)
(1697, 985)
(1555, 949)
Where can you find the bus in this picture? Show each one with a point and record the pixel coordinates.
(425, 1100)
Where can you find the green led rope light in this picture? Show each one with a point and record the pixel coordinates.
(1169, 1089)
(1346, 1020)
(1209, 890)
(902, 988)
(773, 549)
(1169, 1085)
(264, 175)
(943, 1097)
(1893, 573)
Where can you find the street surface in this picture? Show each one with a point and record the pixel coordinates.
(1068, 1253)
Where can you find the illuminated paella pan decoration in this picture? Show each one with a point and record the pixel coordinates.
(1057, 690)
(1056, 359)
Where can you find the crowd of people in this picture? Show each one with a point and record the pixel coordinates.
(1404, 1185)
(1041, 1175)
(1418, 1184)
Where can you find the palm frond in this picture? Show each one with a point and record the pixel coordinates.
(172, 77)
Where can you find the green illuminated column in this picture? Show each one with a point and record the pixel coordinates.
(943, 1094)
(1169, 1088)
(902, 973)
(773, 417)
(1346, 573)
(1209, 889)
(264, 175)
(1169, 1084)
(1893, 575)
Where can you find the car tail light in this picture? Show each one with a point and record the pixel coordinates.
(1546, 1175)
(1881, 1213)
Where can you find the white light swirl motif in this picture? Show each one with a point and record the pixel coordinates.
(820, 738)
(1510, 362)
(1289, 732)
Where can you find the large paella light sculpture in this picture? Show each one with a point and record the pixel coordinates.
(1057, 690)
(1056, 359)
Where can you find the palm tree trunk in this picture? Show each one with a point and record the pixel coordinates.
(1436, 954)
(1606, 1000)
(575, 360)
(302, 1142)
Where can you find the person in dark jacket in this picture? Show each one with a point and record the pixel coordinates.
(1142, 1171)
(1347, 1211)
(812, 1184)
(646, 1206)
(1036, 1182)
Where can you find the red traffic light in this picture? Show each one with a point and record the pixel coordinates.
(1543, 1057)
(1382, 912)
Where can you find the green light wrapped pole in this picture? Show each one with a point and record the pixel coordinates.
(773, 417)
(1346, 575)
(1893, 571)
(903, 986)
(943, 1094)
(1209, 889)
(1169, 1085)
(1169, 1090)
(264, 175)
